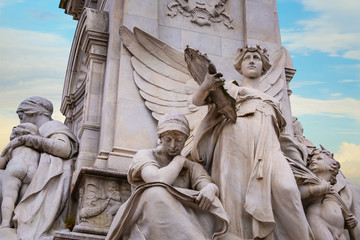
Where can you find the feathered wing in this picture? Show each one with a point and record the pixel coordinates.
(160, 73)
(272, 83)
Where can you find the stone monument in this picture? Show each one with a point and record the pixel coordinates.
(127, 70)
(101, 98)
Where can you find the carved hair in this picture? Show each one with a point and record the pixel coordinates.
(334, 165)
(261, 51)
(36, 105)
(173, 122)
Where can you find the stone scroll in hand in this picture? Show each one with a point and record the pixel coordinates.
(198, 65)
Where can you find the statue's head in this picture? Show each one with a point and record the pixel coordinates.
(173, 131)
(32, 108)
(298, 128)
(322, 163)
(24, 129)
(255, 56)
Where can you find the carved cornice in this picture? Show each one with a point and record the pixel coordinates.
(76, 7)
(289, 73)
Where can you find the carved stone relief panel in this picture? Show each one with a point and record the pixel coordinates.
(97, 195)
(201, 12)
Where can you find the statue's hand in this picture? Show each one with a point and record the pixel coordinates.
(212, 82)
(351, 221)
(206, 196)
(17, 142)
(325, 187)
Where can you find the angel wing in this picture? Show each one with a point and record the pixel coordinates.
(160, 73)
(272, 83)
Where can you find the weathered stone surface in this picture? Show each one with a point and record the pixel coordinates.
(77, 236)
(97, 195)
(174, 198)
(37, 177)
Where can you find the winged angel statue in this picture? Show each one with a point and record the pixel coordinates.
(165, 83)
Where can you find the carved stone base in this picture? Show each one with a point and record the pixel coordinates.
(96, 197)
(76, 236)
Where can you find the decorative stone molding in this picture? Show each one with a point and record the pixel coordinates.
(289, 73)
(83, 87)
(75, 7)
(96, 197)
(202, 12)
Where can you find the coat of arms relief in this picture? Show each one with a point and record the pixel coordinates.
(202, 12)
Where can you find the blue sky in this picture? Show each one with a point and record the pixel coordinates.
(322, 36)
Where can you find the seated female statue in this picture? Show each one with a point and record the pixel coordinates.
(174, 197)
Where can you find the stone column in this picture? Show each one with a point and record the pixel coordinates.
(83, 88)
(108, 113)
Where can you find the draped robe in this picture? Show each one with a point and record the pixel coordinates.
(42, 210)
(257, 187)
(159, 211)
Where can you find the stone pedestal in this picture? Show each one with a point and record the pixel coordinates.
(76, 236)
(96, 197)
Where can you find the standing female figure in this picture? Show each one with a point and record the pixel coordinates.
(257, 187)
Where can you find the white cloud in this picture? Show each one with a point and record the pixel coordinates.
(346, 107)
(334, 29)
(295, 85)
(29, 54)
(4, 3)
(349, 158)
(31, 64)
(348, 81)
(336, 94)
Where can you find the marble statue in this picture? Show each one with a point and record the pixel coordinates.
(322, 162)
(327, 213)
(21, 165)
(174, 197)
(165, 83)
(257, 187)
(43, 207)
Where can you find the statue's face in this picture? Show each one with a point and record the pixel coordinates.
(251, 65)
(298, 130)
(27, 118)
(320, 163)
(173, 142)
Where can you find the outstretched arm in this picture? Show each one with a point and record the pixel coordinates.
(58, 144)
